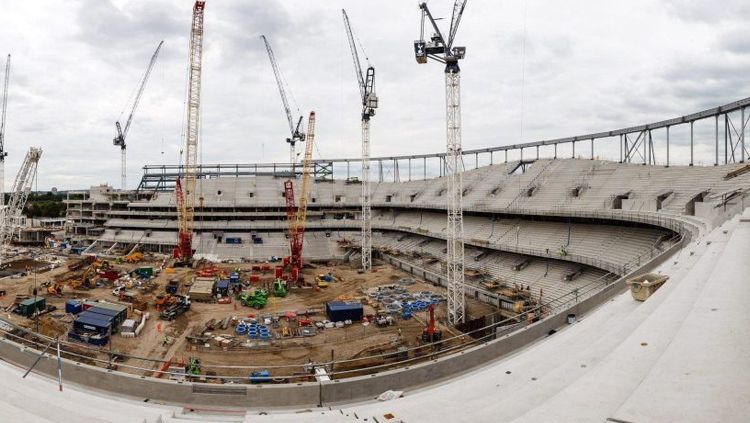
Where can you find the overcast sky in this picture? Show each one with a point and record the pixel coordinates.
(587, 66)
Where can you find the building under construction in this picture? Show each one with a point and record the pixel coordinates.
(479, 279)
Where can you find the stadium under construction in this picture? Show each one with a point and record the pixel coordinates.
(526, 282)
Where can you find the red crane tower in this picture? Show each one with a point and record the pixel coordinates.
(297, 216)
(186, 194)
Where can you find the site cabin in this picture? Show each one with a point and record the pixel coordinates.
(203, 289)
(91, 328)
(29, 307)
(340, 311)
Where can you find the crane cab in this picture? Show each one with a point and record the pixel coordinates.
(420, 51)
(372, 102)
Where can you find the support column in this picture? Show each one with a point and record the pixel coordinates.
(592, 149)
(555, 151)
(726, 138)
(620, 148)
(537, 152)
(574, 149)
(742, 137)
(424, 168)
(692, 123)
(716, 150)
(667, 146)
(409, 170)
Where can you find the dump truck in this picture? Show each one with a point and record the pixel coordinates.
(180, 306)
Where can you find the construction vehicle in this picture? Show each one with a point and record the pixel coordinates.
(119, 140)
(431, 333)
(323, 280)
(297, 217)
(279, 288)
(133, 257)
(179, 307)
(256, 299)
(54, 288)
(11, 218)
(163, 301)
(172, 286)
(193, 367)
(260, 376)
(383, 320)
(296, 131)
(185, 195)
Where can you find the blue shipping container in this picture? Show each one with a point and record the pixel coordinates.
(73, 306)
(92, 322)
(116, 317)
(339, 311)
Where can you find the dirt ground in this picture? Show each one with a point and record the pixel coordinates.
(162, 340)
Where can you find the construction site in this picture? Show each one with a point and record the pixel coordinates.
(333, 281)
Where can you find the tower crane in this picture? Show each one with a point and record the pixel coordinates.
(296, 131)
(3, 112)
(369, 99)
(442, 50)
(119, 140)
(297, 216)
(11, 215)
(185, 194)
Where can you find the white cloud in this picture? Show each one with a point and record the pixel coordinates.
(589, 66)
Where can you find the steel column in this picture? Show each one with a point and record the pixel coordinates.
(716, 160)
(691, 143)
(742, 137)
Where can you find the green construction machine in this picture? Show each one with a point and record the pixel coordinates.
(256, 299)
(279, 288)
(193, 367)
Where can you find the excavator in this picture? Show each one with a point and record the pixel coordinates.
(54, 288)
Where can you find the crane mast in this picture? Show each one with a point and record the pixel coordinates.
(119, 140)
(4, 110)
(19, 194)
(369, 99)
(296, 132)
(442, 50)
(186, 207)
(297, 219)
